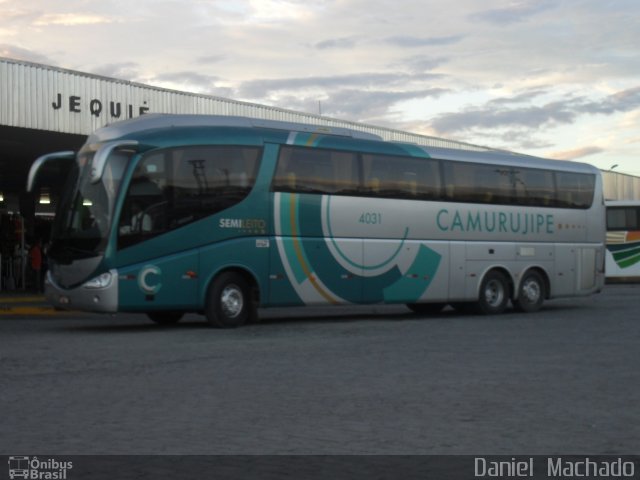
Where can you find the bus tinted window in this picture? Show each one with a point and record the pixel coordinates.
(534, 187)
(310, 170)
(481, 183)
(575, 190)
(323, 171)
(175, 187)
(401, 177)
(477, 183)
(623, 218)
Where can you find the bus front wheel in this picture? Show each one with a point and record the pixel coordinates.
(229, 302)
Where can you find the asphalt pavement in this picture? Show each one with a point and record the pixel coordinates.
(366, 380)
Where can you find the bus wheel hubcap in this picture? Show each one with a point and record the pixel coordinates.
(494, 293)
(231, 301)
(531, 291)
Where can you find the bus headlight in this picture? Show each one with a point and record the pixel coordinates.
(101, 281)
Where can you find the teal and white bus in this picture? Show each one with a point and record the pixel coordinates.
(167, 214)
(623, 240)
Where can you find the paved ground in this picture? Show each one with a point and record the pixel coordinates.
(373, 380)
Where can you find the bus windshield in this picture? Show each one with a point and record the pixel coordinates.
(85, 212)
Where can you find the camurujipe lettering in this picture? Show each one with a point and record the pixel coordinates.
(498, 222)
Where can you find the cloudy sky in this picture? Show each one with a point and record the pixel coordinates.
(556, 78)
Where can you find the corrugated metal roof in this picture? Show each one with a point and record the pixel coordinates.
(60, 100)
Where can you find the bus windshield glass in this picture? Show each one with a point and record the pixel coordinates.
(85, 212)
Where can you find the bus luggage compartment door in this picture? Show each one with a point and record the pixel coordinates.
(587, 268)
(565, 274)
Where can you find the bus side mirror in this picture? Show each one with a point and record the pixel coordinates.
(40, 161)
(102, 155)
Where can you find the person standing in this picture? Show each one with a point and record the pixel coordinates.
(35, 256)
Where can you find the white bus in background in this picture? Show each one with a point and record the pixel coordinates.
(623, 240)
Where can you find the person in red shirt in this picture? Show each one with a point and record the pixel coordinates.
(35, 256)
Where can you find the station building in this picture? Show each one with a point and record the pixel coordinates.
(45, 109)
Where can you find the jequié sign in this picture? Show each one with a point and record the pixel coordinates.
(97, 107)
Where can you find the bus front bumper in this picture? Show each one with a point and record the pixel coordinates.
(100, 294)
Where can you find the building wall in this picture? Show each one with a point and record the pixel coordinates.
(619, 186)
(48, 98)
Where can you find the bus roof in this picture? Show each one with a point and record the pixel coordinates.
(152, 121)
(158, 121)
(622, 203)
(503, 157)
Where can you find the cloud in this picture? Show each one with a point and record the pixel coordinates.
(12, 14)
(352, 104)
(263, 88)
(421, 63)
(278, 11)
(624, 101)
(123, 71)
(208, 59)
(360, 104)
(520, 98)
(192, 82)
(408, 41)
(368, 106)
(491, 118)
(337, 43)
(18, 53)
(514, 13)
(71, 19)
(576, 153)
(497, 114)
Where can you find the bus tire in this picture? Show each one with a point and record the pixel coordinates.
(531, 293)
(229, 303)
(165, 317)
(494, 294)
(426, 308)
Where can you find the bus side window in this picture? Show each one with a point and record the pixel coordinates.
(410, 182)
(575, 190)
(401, 177)
(623, 218)
(315, 170)
(178, 186)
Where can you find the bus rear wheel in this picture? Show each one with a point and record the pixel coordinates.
(229, 303)
(494, 294)
(531, 293)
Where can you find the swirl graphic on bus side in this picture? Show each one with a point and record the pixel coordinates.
(323, 268)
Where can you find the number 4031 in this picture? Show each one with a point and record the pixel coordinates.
(371, 218)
